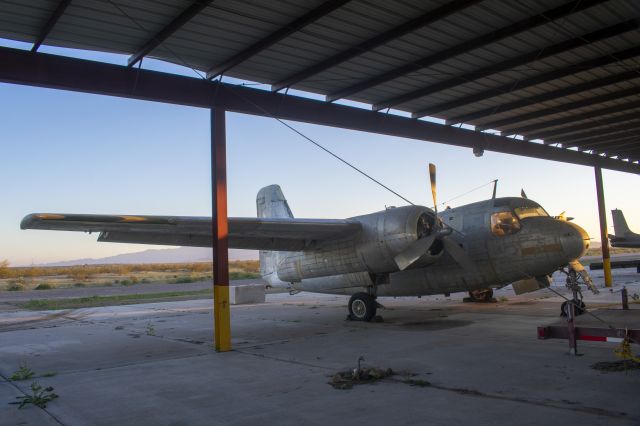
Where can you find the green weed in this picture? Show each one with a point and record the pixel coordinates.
(150, 329)
(23, 373)
(39, 396)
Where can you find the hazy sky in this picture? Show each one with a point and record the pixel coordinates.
(79, 153)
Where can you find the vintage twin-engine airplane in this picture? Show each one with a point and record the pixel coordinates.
(401, 251)
(623, 236)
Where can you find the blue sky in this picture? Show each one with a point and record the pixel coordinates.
(79, 153)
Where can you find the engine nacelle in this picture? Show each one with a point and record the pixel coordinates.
(385, 234)
(388, 233)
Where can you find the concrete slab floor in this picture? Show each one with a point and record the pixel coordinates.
(154, 364)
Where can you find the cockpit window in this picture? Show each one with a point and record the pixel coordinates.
(504, 223)
(524, 212)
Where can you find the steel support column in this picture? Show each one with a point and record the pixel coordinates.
(604, 237)
(220, 232)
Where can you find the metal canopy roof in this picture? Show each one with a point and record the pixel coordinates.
(567, 72)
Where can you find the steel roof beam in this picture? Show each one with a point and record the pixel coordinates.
(57, 72)
(591, 124)
(367, 45)
(543, 97)
(196, 7)
(618, 145)
(631, 155)
(628, 149)
(529, 82)
(308, 18)
(633, 127)
(53, 20)
(532, 56)
(483, 40)
(607, 97)
(599, 141)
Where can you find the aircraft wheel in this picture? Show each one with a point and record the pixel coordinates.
(484, 295)
(362, 307)
(579, 309)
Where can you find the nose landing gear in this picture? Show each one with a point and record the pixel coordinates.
(573, 284)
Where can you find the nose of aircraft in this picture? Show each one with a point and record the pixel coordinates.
(575, 240)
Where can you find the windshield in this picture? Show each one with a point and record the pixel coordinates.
(504, 223)
(524, 212)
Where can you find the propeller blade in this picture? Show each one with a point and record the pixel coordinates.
(577, 266)
(432, 178)
(458, 254)
(414, 252)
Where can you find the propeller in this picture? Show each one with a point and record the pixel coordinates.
(439, 232)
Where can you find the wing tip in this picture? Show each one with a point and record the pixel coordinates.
(31, 220)
(28, 221)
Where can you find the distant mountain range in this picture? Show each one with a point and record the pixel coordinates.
(174, 255)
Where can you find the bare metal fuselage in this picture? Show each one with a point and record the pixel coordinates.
(365, 262)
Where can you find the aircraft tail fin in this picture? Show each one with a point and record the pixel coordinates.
(620, 227)
(271, 203)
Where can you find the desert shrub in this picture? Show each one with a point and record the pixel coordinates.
(4, 269)
(81, 273)
(33, 271)
(243, 275)
(79, 285)
(182, 280)
(15, 286)
(43, 286)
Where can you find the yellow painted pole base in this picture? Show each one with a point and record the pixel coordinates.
(221, 318)
(606, 267)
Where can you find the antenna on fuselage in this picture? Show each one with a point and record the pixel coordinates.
(495, 188)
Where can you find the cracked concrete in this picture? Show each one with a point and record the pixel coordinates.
(483, 361)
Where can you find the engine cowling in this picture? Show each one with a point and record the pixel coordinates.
(388, 233)
(384, 235)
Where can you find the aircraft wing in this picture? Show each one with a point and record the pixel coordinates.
(285, 234)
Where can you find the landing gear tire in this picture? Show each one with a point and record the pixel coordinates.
(483, 296)
(579, 308)
(362, 307)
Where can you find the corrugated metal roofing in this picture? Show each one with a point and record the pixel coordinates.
(452, 65)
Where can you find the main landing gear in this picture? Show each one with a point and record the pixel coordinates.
(362, 307)
(484, 295)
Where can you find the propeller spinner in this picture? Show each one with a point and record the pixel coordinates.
(439, 232)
